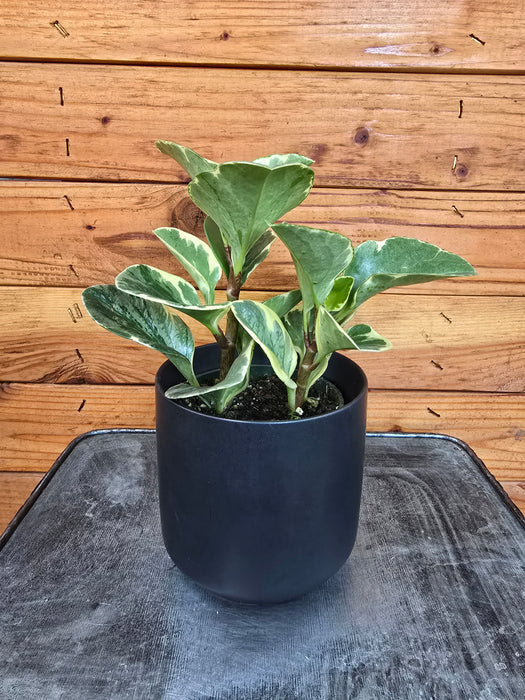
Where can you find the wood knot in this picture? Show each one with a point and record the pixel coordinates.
(105, 120)
(224, 36)
(188, 217)
(461, 170)
(362, 136)
(318, 152)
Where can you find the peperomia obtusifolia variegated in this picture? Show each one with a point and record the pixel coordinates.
(297, 330)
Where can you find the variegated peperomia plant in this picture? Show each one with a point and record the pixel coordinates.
(297, 330)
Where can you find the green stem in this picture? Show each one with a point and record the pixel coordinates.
(308, 363)
(233, 290)
(306, 368)
(228, 349)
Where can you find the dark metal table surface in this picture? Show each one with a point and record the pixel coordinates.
(429, 605)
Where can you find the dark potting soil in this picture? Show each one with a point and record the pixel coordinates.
(265, 398)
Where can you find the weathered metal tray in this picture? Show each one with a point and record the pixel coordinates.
(429, 605)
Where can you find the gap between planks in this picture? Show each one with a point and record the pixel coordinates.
(40, 420)
(48, 338)
(123, 182)
(406, 110)
(291, 67)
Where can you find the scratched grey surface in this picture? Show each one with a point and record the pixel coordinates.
(429, 605)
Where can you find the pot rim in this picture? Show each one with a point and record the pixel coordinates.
(293, 421)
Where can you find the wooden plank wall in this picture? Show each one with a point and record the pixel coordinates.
(414, 113)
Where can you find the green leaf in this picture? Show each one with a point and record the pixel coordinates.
(293, 322)
(257, 254)
(319, 257)
(192, 162)
(153, 284)
(278, 159)
(283, 303)
(195, 256)
(339, 294)
(330, 337)
(379, 265)
(244, 199)
(145, 322)
(213, 234)
(222, 393)
(267, 329)
(367, 339)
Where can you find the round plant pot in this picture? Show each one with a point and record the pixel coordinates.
(260, 511)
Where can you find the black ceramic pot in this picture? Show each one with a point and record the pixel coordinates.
(260, 512)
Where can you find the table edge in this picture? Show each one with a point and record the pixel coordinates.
(40, 487)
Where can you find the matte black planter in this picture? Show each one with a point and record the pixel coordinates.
(260, 512)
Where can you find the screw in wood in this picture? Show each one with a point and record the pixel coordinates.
(476, 38)
(60, 27)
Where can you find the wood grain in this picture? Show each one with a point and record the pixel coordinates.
(15, 489)
(516, 491)
(437, 342)
(364, 130)
(48, 243)
(378, 34)
(493, 425)
(40, 420)
(371, 91)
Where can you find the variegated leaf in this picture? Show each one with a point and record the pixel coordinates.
(267, 329)
(379, 265)
(153, 284)
(339, 294)
(283, 303)
(150, 282)
(221, 394)
(278, 159)
(145, 322)
(319, 257)
(293, 322)
(330, 337)
(195, 256)
(213, 234)
(257, 253)
(191, 161)
(366, 338)
(244, 199)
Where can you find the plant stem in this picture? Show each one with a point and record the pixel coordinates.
(228, 349)
(308, 363)
(233, 290)
(306, 367)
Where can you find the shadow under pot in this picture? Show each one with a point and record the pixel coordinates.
(260, 511)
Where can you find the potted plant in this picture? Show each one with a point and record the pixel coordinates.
(260, 504)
